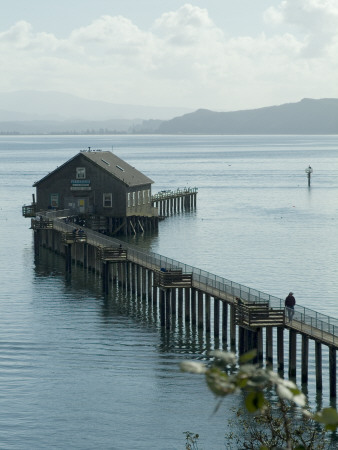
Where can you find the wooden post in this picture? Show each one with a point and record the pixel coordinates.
(36, 242)
(233, 327)
(68, 257)
(207, 313)
(224, 323)
(180, 303)
(162, 307)
(193, 306)
(187, 293)
(133, 275)
(119, 273)
(318, 357)
(260, 346)
(333, 371)
(305, 358)
(280, 349)
(292, 354)
(105, 276)
(155, 294)
(150, 284)
(144, 283)
(269, 347)
(200, 309)
(167, 297)
(128, 274)
(138, 280)
(85, 255)
(216, 317)
(241, 345)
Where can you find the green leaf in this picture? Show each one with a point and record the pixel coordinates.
(254, 401)
(249, 356)
(329, 417)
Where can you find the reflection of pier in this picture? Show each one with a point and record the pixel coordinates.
(169, 202)
(238, 317)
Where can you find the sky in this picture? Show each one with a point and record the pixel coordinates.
(217, 54)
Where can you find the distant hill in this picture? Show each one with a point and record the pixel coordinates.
(308, 116)
(59, 106)
(32, 112)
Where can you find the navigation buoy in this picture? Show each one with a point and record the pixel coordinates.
(309, 171)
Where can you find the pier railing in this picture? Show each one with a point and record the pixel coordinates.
(162, 195)
(305, 320)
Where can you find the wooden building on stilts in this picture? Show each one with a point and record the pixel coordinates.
(101, 191)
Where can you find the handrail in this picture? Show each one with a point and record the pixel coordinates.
(171, 194)
(304, 318)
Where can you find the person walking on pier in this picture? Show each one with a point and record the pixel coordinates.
(290, 305)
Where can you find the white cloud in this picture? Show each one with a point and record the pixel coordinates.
(183, 60)
(317, 19)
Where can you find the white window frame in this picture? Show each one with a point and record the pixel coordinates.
(129, 199)
(149, 196)
(80, 173)
(107, 196)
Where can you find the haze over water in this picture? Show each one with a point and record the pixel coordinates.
(80, 370)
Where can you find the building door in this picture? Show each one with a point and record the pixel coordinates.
(82, 205)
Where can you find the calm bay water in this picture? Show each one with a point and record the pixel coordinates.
(82, 371)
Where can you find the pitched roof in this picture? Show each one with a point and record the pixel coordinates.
(112, 164)
(117, 167)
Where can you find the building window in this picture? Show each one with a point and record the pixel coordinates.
(139, 197)
(149, 196)
(134, 198)
(107, 200)
(54, 200)
(80, 173)
(129, 199)
(144, 196)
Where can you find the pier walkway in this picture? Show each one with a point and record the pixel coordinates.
(169, 202)
(251, 311)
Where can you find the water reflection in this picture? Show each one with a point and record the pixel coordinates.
(181, 340)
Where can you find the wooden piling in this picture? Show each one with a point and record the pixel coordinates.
(318, 359)
(216, 317)
(200, 309)
(207, 313)
(180, 303)
(187, 296)
(269, 347)
(280, 349)
(241, 343)
(233, 327)
(225, 323)
(162, 307)
(260, 346)
(194, 304)
(292, 354)
(333, 371)
(68, 257)
(167, 297)
(305, 358)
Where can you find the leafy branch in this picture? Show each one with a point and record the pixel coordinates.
(272, 426)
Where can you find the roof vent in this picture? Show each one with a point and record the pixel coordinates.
(106, 162)
(120, 168)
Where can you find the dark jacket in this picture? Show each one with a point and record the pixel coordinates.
(290, 301)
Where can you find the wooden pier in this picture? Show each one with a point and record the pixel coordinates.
(238, 317)
(170, 202)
